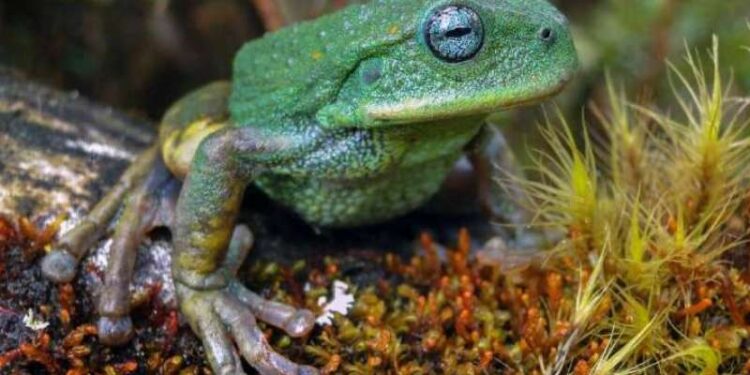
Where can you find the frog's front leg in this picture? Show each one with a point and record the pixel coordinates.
(501, 194)
(214, 303)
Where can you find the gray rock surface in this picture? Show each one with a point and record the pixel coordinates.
(58, 151)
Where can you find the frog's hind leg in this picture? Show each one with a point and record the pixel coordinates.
(503, 198)
(61, 264)
(148, 206)
(151, 205)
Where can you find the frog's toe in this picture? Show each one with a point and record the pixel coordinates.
(198, 310)
(219, 319)
(300, 323)
(115, 331)
(295, 322)
(59, 266)
(252, 343)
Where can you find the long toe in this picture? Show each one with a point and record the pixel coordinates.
(300, 324)
(59, 266)
(251, 342)
(307, 370)
(295, 322)
(115, 331)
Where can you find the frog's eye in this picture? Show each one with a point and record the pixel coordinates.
(454, 33)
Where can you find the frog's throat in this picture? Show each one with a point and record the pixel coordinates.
(425, 109)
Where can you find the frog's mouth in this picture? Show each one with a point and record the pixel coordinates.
(450, 106)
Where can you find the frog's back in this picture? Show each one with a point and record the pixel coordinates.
(296, 70)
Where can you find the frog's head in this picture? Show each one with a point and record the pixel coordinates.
(457, 58)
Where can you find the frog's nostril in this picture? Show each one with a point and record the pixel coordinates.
(547, 35)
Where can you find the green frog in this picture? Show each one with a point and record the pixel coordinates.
(351, 119)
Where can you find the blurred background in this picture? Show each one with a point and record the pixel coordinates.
(141, 55)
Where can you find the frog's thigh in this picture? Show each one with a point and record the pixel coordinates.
(189, 121)
(179, 148)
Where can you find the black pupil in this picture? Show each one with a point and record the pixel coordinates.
(546, 33)
(458, 32)
(454, 33)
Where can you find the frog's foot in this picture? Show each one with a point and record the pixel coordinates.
(223, 316)
(498, 253)
(61, 263)
(535, 239)
(219, 314)
(526, 247)
(146, 192)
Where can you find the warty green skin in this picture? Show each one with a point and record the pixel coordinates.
(351, 119)
(375, 121)
(348, 120)
(313, 129)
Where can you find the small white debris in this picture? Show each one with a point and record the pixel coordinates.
(33, 322)
(341, 303)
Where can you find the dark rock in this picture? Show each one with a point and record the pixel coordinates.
(60, 152)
